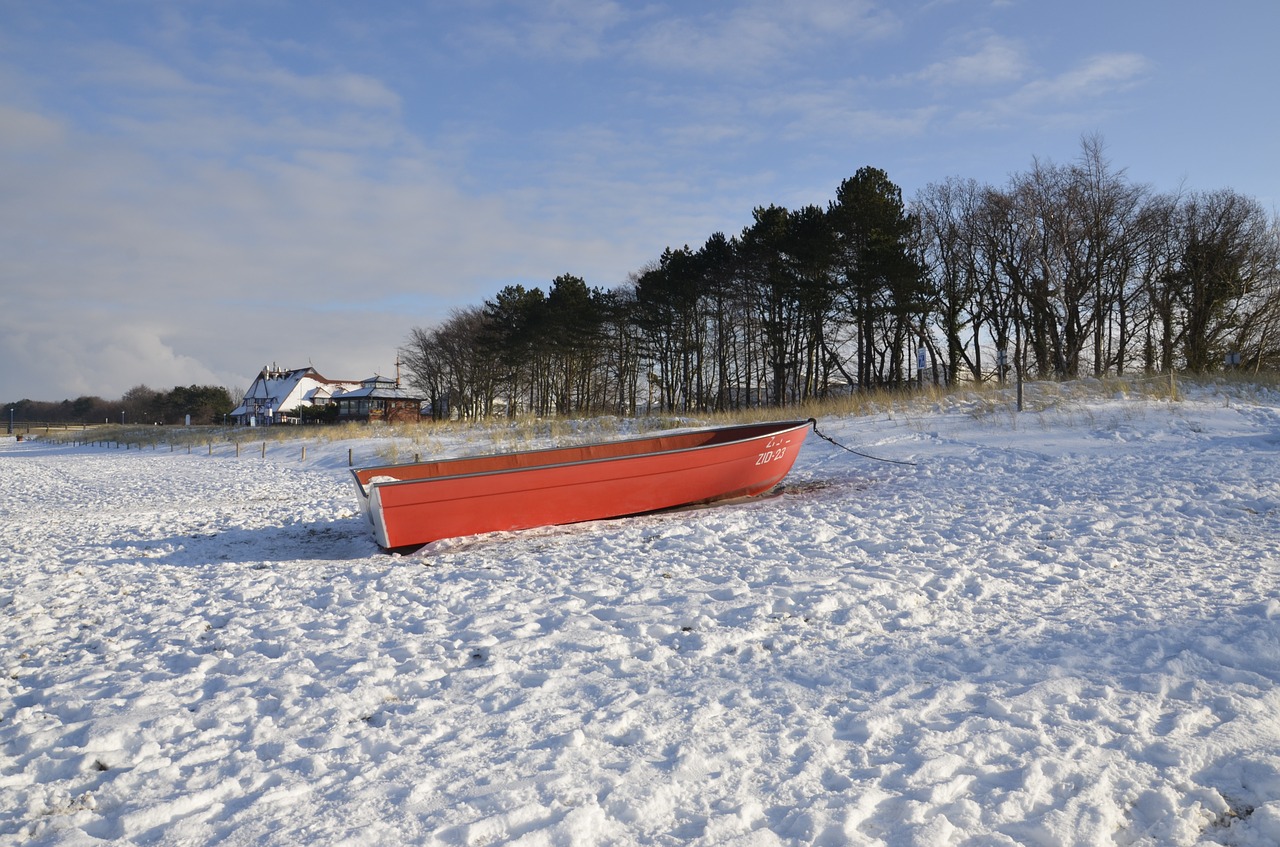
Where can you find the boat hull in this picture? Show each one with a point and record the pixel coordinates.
(419, 503)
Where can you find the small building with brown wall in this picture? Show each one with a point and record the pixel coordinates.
(379, 399)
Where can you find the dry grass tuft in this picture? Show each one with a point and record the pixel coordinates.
(407, 441)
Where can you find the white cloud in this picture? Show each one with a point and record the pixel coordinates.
(561, 30)
(114, 67)
(335, 87)
(103, 351)
(756, 36)
(738, 38)
(838, 114)
(994, 61)
(122, 267)
(1072, 99)
(181, 178)
(26, 130)
(1095, 76)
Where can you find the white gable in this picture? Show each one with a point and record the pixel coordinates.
(278, 390)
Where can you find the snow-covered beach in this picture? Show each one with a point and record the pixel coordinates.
(1054, 628)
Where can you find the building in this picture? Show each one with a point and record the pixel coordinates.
(278, 392)
(379, 399)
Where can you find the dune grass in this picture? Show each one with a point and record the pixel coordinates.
(396, 443)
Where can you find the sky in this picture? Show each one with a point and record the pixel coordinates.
(190, 191)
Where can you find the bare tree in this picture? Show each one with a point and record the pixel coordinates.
(1229, 267)
(949, 228)
(451, 365)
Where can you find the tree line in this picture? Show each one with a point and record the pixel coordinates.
(1066, 271)
(1080, 272)
(206, 404)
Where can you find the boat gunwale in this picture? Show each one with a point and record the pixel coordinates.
(779, 427)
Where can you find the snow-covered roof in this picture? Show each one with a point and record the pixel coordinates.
(276, 389)
(379, 387)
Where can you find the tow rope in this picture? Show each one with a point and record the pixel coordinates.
(825, 437)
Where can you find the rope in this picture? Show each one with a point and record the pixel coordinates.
(825, 437)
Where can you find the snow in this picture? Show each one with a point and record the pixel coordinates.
(1060, 627)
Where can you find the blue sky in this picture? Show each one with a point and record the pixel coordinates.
(192, 190)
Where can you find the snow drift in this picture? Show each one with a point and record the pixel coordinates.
(1055, 628)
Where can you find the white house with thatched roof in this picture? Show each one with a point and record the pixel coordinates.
(277, 391)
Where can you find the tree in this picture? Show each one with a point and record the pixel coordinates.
(948, 214)
(883, 279)
(668, 297)
(139, 405)
(1155, 305)
(1230, 262)
(204, 403)
(515, 337)
(1087, 215)
(621, 351)
(727, 323)
(574, 327)
(771, 287)
(452, 367)
(812, 251)
(1074, 266)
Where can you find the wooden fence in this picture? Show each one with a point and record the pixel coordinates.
(27, 427)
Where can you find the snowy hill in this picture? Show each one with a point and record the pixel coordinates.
(1054, 628)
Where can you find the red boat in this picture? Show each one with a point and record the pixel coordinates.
(417, 503)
